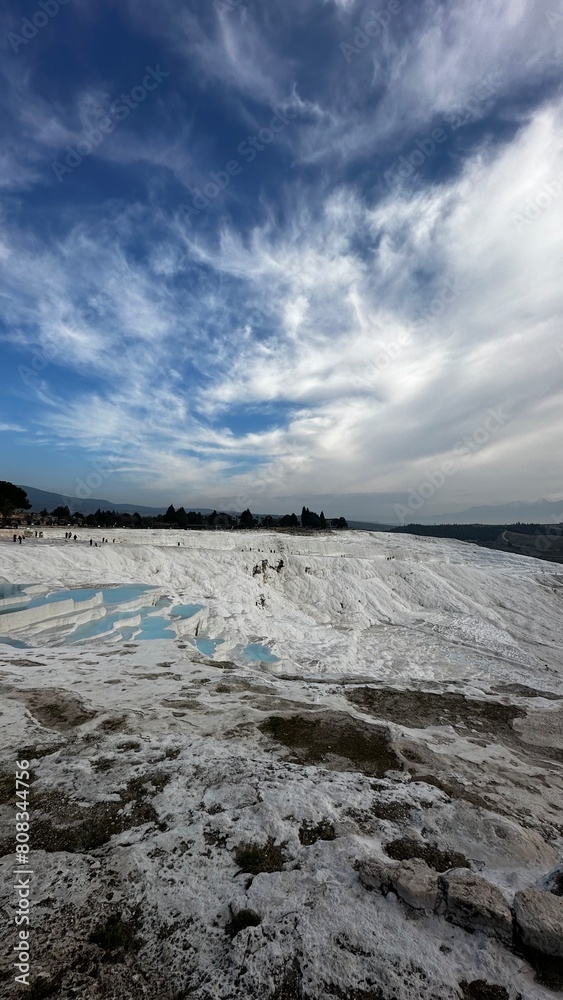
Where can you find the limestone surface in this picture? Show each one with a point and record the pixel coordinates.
(539, 918)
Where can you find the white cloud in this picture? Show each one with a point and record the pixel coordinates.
(309, 322)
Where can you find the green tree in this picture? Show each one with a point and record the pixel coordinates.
(12, 498)
(61, 513)
(170, 516)
(246, 519)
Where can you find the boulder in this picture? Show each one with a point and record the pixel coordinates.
(376, 874)
(539, 919)
(417, 885)
(476, 905)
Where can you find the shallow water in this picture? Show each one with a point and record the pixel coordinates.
(207, 646)
(99, 626)
(126, 592)
(155, 627)
(255, 652)
(12, 590)
(185, 610)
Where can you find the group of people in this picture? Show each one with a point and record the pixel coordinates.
(68, 535)
(95, 544)
(18, 538)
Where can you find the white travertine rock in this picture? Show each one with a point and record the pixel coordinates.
(417, 885)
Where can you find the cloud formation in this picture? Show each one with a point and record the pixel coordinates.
(345, 314)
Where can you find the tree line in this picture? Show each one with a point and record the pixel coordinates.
(13, 498)
(182, 518)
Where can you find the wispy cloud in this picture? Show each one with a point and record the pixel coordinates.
(245, 349)
(11, 428)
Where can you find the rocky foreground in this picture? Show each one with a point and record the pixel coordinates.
(202, 828)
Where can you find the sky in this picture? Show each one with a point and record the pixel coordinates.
(254, 254)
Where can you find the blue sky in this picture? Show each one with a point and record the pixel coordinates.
(252, 252)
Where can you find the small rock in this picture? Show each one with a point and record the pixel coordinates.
(539, 918)
(476, 905)
(376, 875)
(417, 885)
(553, 881)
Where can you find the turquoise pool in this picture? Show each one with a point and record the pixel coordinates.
(255, 652)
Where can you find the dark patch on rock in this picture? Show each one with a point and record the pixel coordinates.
(60, 825)
(336, 740)
(454, 789)
(354, 994)
(548, 970)
(39, 750)
(407, 848)
(113, 725)
(240, 921)
(44, 986)
(214, 838)
(53, 708)
(116, 936)
(422, 709)
(253, 858)
(190, 703)
(290, 985)
(525, 692)
(103, 764)
(479, 989)
(309, 833)
(392, 811)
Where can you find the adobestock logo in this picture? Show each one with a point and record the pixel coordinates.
(436, 478)
(85, 488)
(554, 17)
(390, 352)
(364, 35)
(458, 116)
(537, 204)
(31, 26)
(226, 6)
(120, 109)
(248, 149)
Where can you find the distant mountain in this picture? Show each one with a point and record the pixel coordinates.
(527, 512)
(40, 499)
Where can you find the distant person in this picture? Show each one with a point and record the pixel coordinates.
(91, 543)
(15, 538)
(75, 538)
(20, 539)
